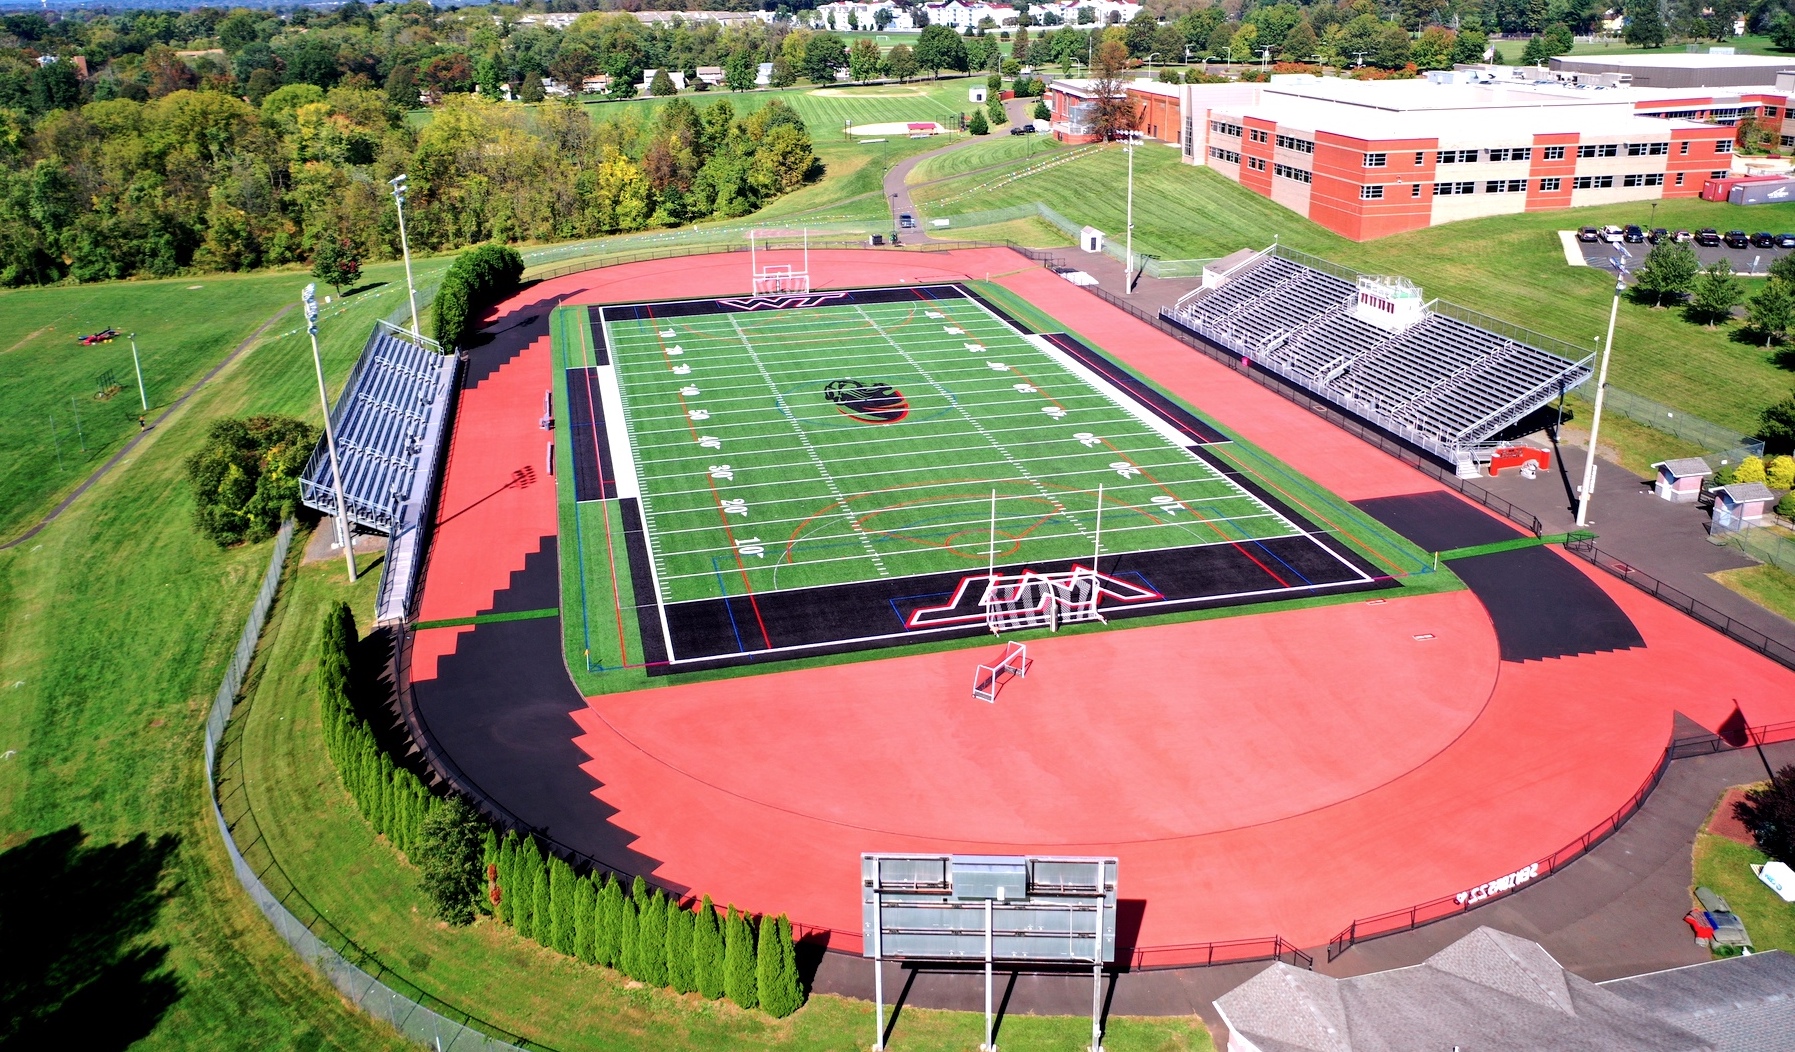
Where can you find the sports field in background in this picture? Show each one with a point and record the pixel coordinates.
(791, 476)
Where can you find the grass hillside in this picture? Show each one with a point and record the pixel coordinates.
(1511, 267)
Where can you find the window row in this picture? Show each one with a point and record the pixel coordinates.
(1292, 173)
(1231, 156)
(1225, 128)
(1291, 142)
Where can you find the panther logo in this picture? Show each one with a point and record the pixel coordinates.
(869, 403)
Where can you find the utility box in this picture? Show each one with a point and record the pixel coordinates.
(1090, 239)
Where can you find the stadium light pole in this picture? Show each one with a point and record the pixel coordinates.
(411, 290)
(310, 298)
(135, 364)
(1595, 424)
(1133, 138)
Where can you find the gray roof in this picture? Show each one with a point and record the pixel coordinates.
(1685, 466)
(1488, 991)
(1740, 492)
(1741, 1004)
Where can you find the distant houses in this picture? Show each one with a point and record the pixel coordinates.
(844, 15)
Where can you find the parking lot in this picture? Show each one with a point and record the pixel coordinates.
(1750, 260)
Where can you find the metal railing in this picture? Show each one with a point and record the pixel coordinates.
(356, 973)
(1463, 902)
(1205, 954)
(1764, 545)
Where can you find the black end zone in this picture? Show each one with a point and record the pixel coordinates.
(592, 479)
(601, 352)
(1540, 605)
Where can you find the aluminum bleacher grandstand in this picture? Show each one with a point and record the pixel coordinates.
(1438, 376)
(389, 425)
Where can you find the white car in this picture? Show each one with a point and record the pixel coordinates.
(1611, 234)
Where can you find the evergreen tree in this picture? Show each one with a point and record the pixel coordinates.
(1776, 426)
(524, 907)
(507, 878)
(612, 905)
(542, 918)
(489, 868)
(707, 952)
(560, 894)
(585, 921)
(738, 960)
(680, 965)
(448, 853)
(977, 125)
(629, 941)
(662, 83)
(651, 941)
(1535, 53)
(994, 106)
(781, 991)
(1645, 24)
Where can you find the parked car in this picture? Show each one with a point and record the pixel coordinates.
(1657, 235)
(1707, 236)
(1023, 129)
(1763, 239)
(1634, 234)
(1785, 241)
(1589, 235)
(1737, 239)
(906, 222)
(1682, 237)
(1611, 234)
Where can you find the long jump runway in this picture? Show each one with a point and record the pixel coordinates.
(1281, 773)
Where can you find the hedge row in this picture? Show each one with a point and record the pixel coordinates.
(642, 933)
(478, 279)
(639, 931)
(393, 800)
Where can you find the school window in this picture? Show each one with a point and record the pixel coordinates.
(1683, 148)
(1512, 153)
(1721, 174)
(1723, 146)
(1292, 173)
(1611, 149)
(1550, 183)
(1224, 155)
(1645, 179)
(1505, 186)
(1415, 191)
(1258, 135)
(1257, 164)
(1554, 153)
(1420, 158)
(1593, 182)
(1291, 142)
(1456, 156)
(1225, 128)
(1452, 189)
(1769, 111)
(1788, 141)
(1679, 178)
(1376, 160)
(1647, 149)
(1371, 193)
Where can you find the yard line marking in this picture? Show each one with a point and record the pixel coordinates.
(821, 467)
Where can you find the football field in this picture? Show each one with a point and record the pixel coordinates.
(807, 471)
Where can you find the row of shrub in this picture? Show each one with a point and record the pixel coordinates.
(639, 931)
(653, 939)
(478, 279)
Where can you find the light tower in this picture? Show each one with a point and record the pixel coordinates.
(411, 290)
(310, 298)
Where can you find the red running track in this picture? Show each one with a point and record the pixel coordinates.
(1281, 773)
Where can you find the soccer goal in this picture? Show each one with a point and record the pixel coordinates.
(989, 678)
(778, 278)
(1017, 602)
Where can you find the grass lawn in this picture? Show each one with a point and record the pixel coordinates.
(119, 619)
(999, 148)
(824, 109)
(331, 854)
(184, 326)
(1745, 45)
(1725, 866)
(1511, 267)
(1771, 587)
(1629, 443)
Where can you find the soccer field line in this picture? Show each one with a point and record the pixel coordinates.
(693, 452)
(822, 468)
(726, 387)
(937, 552)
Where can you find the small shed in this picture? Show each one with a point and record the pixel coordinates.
(1680, 481)
(975, 94)
(1741, 504)
(1090, 239)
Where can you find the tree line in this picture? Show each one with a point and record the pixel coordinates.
(465, 868)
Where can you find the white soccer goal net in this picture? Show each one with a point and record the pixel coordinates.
(771, 277)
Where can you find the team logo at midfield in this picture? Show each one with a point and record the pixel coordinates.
(869, 403)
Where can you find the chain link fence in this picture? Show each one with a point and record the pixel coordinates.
(356, 973)
(1764, 545)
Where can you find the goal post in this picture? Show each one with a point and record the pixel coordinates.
(778, 278)
(989, 678)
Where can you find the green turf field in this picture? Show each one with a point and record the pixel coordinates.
(752, 479)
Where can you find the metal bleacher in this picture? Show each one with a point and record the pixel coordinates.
(389, 425)
(1449, 383)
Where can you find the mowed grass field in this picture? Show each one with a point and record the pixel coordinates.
(55, 392)
(1511, 267)
(825, 110)
(827, 445)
